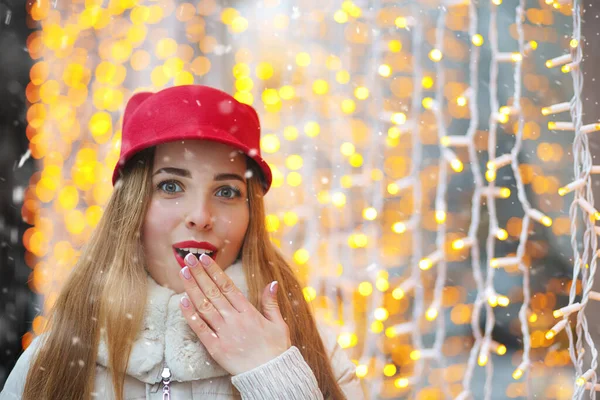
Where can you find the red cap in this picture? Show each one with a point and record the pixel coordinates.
(190, 112)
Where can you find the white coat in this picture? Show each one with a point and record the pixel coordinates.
(168, 357)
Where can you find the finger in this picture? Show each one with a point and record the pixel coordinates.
(227, 288)
(270, 306)
(204, 332)
(199, 300)
(211, 290)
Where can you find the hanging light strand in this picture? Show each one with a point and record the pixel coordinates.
(434, 313)
(586, 252)
(418, 308)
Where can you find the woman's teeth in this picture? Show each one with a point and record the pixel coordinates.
(196, 252)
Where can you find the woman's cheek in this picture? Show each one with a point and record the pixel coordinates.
(160, 218)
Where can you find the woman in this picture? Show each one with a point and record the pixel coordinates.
(149, 312)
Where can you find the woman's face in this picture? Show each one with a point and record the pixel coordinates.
(198, 204)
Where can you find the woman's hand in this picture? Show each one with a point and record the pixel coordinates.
(233, 331)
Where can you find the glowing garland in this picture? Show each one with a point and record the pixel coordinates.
(585, 245)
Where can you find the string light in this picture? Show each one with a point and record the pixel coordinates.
(484, 353)
(593, 213)
(582, 380)
(384, 70)
(579, 183)
(518, 373)
(504, 262)
(590, 128)
(498, 192)
(569, 126)
(460, 244)
(432, 313)
(531, 46)
(402, 383)
(498, 348)
(499, 162)
(565, 311)
(501, 234)
(403, 183)
(508, 110)
(400, 291)
(428, 103)
(455, 163)
(556, 108)
(561, 126)
(404, 22)
(463, 99)
(540, 217)
(398, 118)
(565, 69)
(429, 261)
(399, 329)
(509, 57)
(440, 216)
(558, 61)
(436, 55)
(399, 227)
(501, 117)
(456, 141)
(594, 295)
(498, 300)
(556, 329)
(477, 40)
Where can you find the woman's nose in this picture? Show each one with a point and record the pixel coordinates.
(199, 217)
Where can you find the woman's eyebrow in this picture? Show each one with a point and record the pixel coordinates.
(175, 171)
(226, 177)
(186, 174)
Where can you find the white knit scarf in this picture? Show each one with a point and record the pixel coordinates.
(167, 340)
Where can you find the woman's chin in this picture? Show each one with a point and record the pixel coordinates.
(177, 287)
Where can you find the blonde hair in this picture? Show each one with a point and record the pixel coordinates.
(106, 294)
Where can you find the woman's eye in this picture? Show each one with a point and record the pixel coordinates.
(170, 187)
(228, 192)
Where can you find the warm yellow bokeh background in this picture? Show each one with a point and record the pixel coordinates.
(333, 83)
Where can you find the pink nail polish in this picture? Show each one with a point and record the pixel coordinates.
(191, 259)
(186, 273)
(185, 302)
(205, 260)
(273, 288)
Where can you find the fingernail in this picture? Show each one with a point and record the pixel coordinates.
(205, 260)
(186, 273)
(191, 259)
(185, 302)
(273, 288)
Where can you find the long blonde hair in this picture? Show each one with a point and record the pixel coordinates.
(107, 292)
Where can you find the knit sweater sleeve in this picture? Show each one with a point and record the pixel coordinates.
(286, 377)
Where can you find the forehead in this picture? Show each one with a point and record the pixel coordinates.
(199, 154)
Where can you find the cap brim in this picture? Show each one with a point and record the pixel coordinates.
(198, 133)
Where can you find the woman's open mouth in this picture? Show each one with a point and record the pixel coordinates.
(181, 252)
